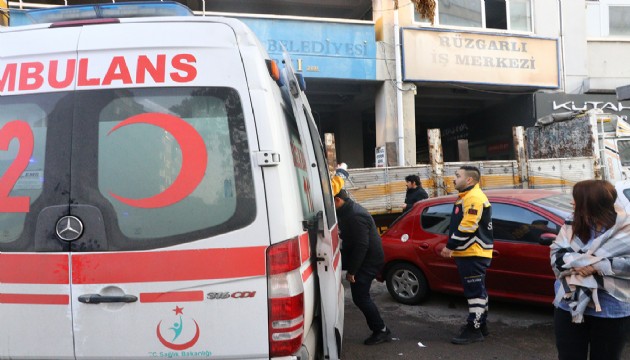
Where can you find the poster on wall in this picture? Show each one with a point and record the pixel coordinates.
(380, 157)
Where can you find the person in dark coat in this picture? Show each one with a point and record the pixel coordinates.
(415, 192)
(362, 257)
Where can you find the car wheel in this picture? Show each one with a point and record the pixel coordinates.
(406, 284)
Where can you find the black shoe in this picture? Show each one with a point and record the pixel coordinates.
(469, 335)
(378, 337)
(483, 328)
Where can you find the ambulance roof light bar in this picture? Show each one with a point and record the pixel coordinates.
(98, 11)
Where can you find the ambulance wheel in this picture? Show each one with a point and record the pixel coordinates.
(406, 284)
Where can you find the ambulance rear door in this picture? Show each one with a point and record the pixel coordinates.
(172, 259)
(35, 142)
(324, 225)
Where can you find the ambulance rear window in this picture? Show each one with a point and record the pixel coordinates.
(23, 128)
(142, 168)
(175, 163)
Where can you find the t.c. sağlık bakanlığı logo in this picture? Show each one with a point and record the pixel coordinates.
(180, 331)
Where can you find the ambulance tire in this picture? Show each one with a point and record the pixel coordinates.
(407, 284)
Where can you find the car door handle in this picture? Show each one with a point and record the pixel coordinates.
(97, 298)
(424, 246)
(495, 253)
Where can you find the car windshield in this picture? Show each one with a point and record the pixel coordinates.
(559, 204)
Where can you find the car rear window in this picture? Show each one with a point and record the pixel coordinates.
(559, 204)
(515, 223)
(437, 218)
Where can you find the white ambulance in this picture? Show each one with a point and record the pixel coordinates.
(163, 193)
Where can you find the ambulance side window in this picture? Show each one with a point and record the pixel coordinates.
(322, 166)
(301, 167)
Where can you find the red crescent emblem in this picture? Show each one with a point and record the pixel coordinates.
(183, 346)
(194, 160)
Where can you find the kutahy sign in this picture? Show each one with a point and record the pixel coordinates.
(549, 103)
(483, 58)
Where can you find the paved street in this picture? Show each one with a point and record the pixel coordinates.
(518, 332)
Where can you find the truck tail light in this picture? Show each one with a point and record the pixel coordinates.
(285, 298)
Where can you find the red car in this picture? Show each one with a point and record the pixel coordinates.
(525, 222)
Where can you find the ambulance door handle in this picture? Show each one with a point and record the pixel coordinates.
(97, 298)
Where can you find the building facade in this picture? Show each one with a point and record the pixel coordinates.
(484, 66)
(379, 75)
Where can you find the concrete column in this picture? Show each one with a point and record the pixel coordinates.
(436, 158)
(385, 106)
(409, 122)
(385, 113)
(518, 136)
(405, 18)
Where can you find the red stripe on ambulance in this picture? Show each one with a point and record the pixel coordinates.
(158, 266)
(307, 273)
(334, 233)
(305, 248)
(34, 299)
(177, 296)
(34, 268)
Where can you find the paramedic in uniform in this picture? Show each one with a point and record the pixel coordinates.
(362, 257)
(470, 244)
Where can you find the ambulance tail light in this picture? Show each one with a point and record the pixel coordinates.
(285, 298)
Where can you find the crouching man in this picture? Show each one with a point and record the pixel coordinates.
(362, 257)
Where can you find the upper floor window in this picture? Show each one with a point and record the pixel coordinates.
(512, 15)
(619, 20)
(608, 18)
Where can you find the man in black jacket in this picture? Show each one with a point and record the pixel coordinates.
(362, 257)
(415, 192)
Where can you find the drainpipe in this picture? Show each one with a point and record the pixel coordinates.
(399, 95)
(562, 59)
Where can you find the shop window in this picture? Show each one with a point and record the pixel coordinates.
(513, 15)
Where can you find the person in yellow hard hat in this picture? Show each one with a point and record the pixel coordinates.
(362, 257)
(4, 13)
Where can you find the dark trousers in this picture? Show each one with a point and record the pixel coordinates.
(472, 273)
(606, 337)
(362, 299)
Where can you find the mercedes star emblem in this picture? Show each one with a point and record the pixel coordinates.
(69, 228)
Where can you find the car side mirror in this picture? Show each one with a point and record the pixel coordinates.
(546, 238)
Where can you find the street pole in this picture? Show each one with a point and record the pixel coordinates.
(399, 95)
